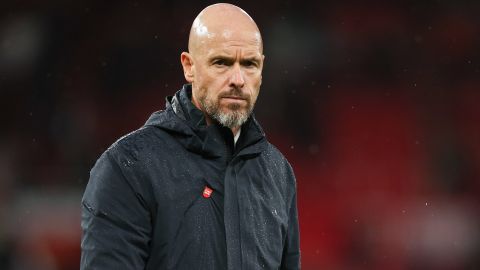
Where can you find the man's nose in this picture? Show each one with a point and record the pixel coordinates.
(237, 77)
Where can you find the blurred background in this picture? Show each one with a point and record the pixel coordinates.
(376, 105)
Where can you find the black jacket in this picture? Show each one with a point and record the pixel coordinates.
(147, 205)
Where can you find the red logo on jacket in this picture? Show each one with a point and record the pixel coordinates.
(207, 192)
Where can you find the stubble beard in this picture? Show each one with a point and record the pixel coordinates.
(232, 116)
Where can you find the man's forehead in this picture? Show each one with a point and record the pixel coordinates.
(233, 51)
(229, 39)
(230, 49)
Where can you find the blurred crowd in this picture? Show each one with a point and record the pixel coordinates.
(375, 104)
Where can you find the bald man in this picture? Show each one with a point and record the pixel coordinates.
(198, 186)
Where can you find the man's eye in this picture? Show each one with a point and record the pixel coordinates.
(220, 62)
(249, 64)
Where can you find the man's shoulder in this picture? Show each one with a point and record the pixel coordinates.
(273, 152)
(140, 138)
(137, 143)
(277, 159)
(133, 140)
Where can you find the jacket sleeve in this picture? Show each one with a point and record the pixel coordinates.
(291, 249)
(115, 221)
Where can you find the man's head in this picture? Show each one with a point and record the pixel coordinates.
(224, 64)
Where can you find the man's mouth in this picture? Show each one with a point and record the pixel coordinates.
(234, 97)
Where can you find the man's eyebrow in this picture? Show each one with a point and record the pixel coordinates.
(226, 57)
(251, 58)
(221, 57)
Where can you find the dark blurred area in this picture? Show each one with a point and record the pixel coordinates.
(375, 104)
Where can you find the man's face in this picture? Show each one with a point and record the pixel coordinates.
(227, 76)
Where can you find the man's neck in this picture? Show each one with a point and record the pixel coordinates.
(235, 131)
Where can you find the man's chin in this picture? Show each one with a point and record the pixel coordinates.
(231, 118)
(234, 107)
(235, 112)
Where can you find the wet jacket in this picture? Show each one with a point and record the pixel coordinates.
(178, 194)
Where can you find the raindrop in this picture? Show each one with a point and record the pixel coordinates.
(418, 39)
(313, 149)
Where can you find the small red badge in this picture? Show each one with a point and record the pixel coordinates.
(207, 192)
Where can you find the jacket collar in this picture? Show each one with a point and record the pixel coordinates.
(182, 117)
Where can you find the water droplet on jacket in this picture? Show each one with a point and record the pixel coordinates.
(127, 163)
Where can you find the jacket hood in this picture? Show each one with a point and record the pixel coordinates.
(182, 119)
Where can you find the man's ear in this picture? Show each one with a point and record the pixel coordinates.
(187, 64)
